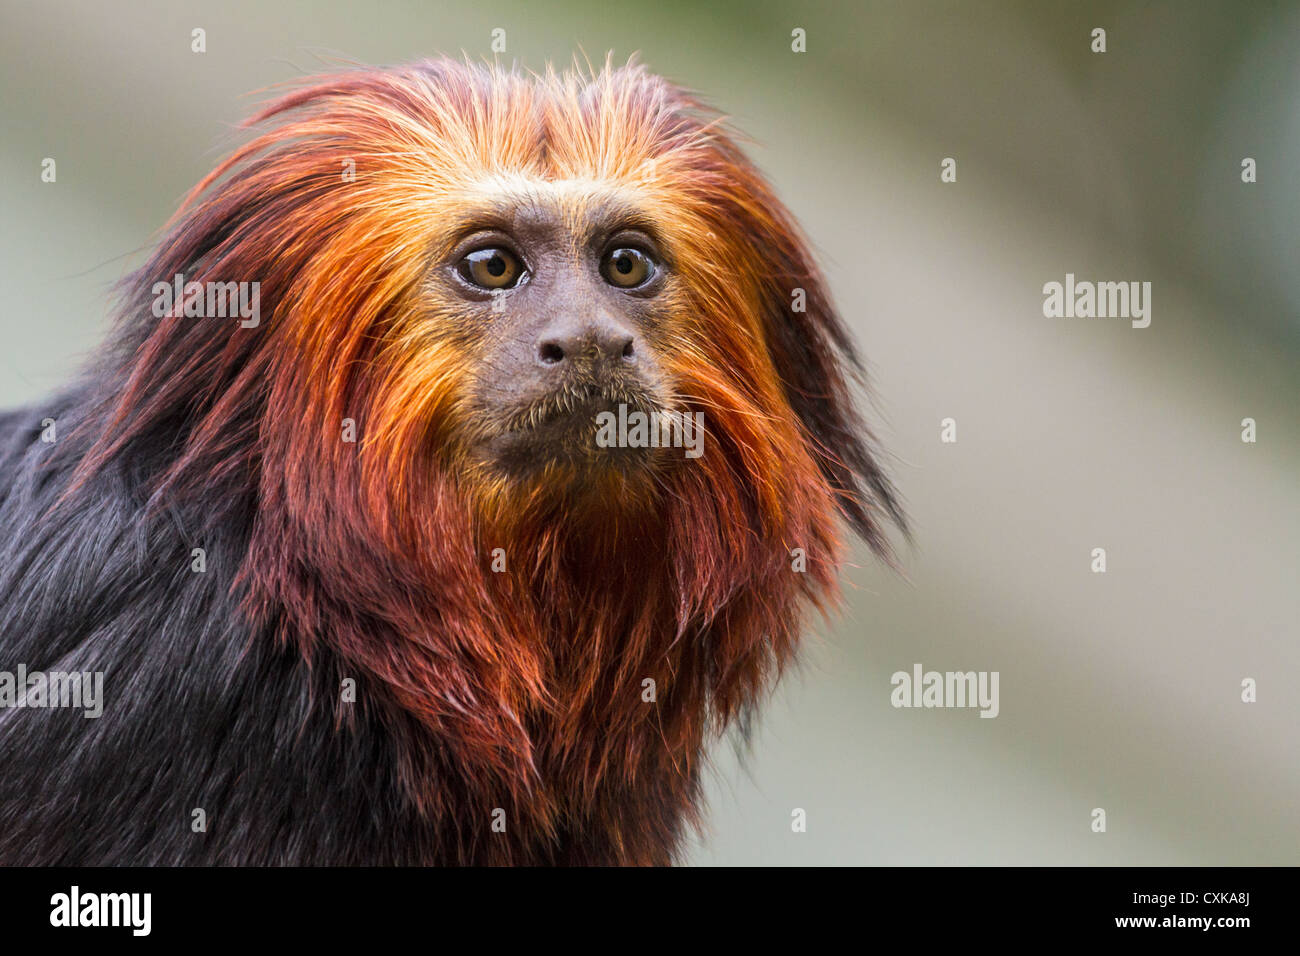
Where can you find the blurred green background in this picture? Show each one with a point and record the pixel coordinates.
(1120, 690)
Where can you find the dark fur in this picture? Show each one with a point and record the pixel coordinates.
(197, 713)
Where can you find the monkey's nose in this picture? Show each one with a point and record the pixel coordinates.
(598, 342)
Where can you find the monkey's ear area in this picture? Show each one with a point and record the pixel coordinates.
(814, 355)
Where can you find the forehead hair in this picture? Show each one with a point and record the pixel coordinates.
(468, 122)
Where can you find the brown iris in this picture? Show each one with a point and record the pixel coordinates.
(627, 268)
(492, 268)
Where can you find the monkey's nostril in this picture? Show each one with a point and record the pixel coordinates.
(628, 351)
(550, 353)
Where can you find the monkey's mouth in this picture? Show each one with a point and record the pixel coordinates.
(586, 424)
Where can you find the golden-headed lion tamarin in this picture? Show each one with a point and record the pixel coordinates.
(334, 516)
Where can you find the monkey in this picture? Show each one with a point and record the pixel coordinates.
(329, 513)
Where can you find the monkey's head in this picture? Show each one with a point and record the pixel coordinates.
(562, 252)
(565, 300)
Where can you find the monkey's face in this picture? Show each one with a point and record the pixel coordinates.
(563, 299)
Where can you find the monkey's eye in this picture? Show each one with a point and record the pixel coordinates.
(492, 268)
(627, 268)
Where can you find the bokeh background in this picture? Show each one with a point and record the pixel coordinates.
(1118, 690)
